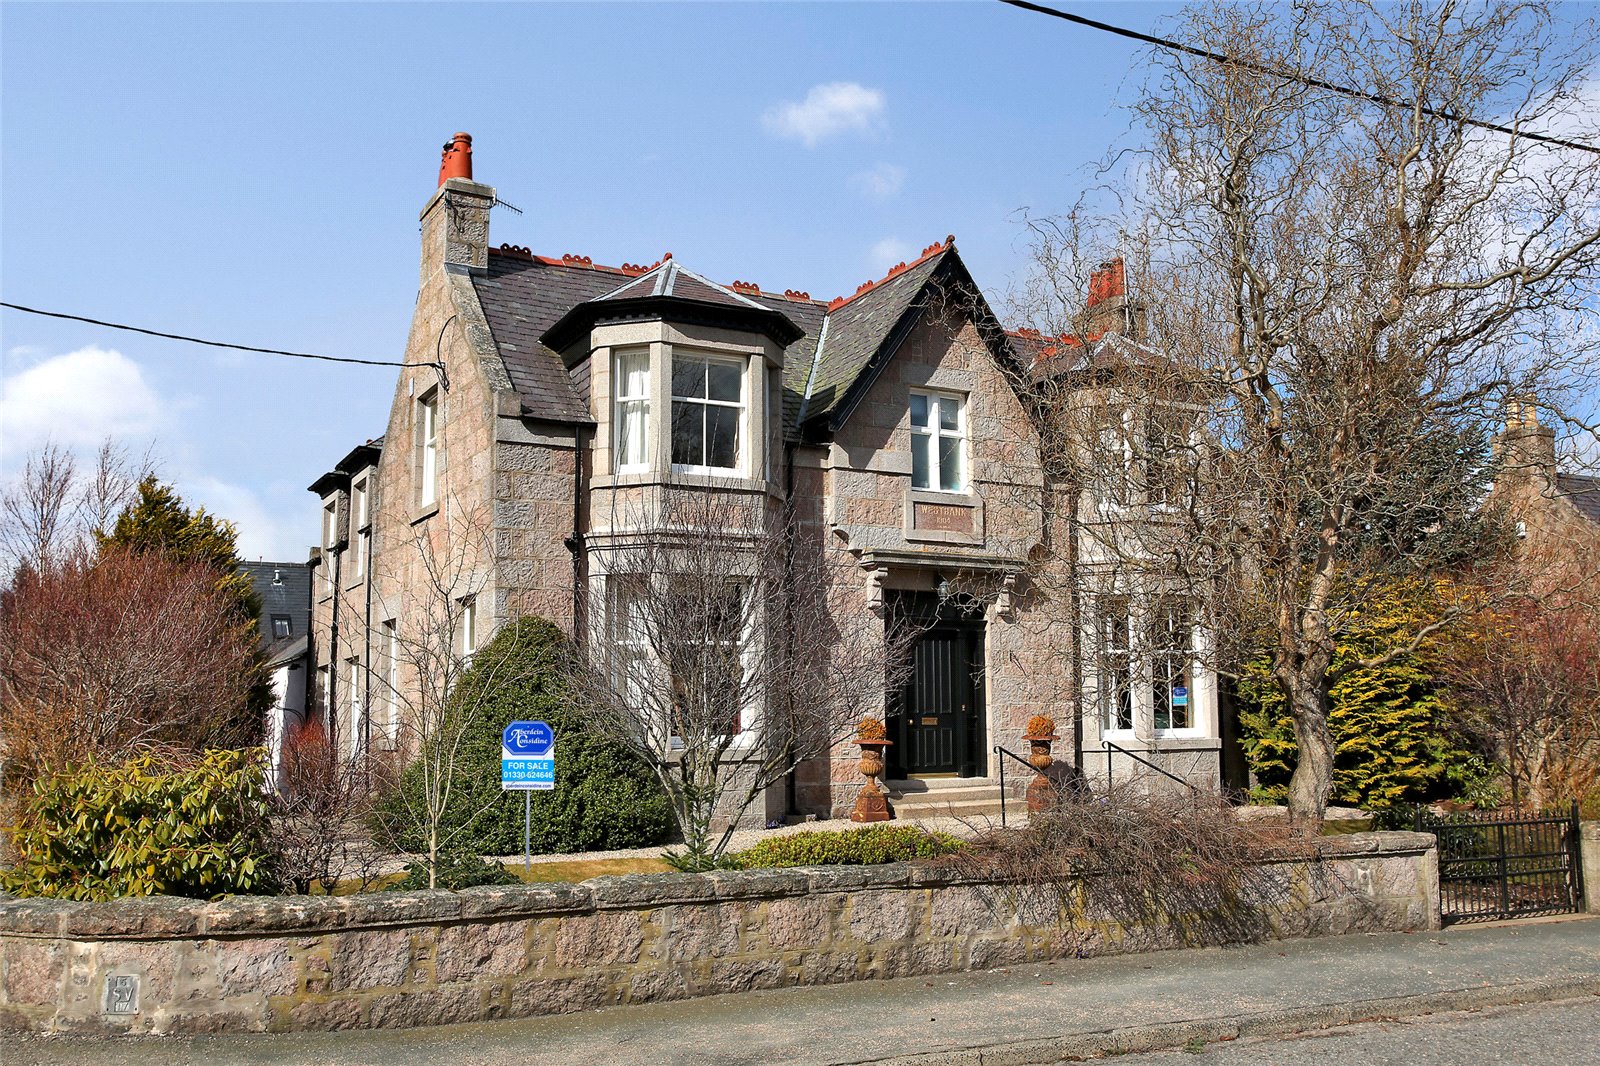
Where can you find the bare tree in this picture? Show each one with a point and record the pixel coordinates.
(99, 656)
(55, 506)
(725, 647)
(432, 578)
(1524, 683)
(1322, 309)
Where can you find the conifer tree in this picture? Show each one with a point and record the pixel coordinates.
(158, 520)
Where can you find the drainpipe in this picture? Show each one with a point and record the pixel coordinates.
(330, 716)
(576, 543)
(1075, 610)
(366, 632)
(791, 782)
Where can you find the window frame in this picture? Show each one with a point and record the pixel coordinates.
(288, 626)
(359, 522)
(1122, 691)
(391, 725)
(355, 715)
(741, 442)
(622, 404)
(468, 627)
(934, 434)
(427, 430)
(1166, 654)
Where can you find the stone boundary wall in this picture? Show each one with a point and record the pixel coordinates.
(165, 965)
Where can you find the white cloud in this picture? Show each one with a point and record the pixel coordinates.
(881, 182)
(836, 107)
(261, 533)
(77, 399)
(889, 251)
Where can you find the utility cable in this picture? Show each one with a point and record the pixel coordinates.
(1262, 68)
(213, 344)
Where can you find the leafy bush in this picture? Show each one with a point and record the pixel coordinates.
(1390, 742)
(868, 846)
(604, 798)
(154, 825)
(457, 870)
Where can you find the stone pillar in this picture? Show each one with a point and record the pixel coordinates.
(1589, 849)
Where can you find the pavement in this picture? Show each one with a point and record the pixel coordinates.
(1040, 1013)
(1562, 1033)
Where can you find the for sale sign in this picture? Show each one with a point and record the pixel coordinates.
(528, 757)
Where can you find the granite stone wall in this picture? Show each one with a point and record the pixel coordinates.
(166, 965)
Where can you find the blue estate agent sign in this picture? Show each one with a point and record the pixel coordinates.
(527, 756)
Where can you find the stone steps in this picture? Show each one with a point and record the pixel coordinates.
(966, 798)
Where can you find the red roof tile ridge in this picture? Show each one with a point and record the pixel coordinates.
(634, 270)
(899, 268)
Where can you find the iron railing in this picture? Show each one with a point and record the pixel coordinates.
(1008, 753)
(1499, 865)
(1136, 757)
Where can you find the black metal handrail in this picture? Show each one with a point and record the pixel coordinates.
(1000, 750)
(1110, 747)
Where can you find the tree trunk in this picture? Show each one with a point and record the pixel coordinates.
(1312, 783)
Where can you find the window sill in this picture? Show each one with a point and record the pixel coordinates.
(426, 511)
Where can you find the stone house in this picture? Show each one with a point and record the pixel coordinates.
(545, 397)
(1556, 513)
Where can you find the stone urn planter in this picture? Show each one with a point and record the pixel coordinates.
(1041, 734)
(872, 805)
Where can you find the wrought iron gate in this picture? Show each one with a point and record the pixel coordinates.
(1494, 865)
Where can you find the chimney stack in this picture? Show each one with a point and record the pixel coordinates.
(1106, 309)
(455, 221)
(456, 159)
(1527, 448)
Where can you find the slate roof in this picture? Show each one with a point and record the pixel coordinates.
(285, 589)
(858, 328)
(524, 295)
(1582, 492)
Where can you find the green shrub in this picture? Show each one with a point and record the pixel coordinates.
(457, 870)
(605, 798)
(153, 825)
(868, 846)
(1391, 744)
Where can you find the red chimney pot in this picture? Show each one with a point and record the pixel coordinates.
(456, 159)
(1110, 280)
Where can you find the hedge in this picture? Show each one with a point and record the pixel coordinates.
(868, 846)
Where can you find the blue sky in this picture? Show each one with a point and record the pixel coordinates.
(253, 173)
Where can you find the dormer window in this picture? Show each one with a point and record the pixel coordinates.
(938, 441)
(631, 413)
(707, 413)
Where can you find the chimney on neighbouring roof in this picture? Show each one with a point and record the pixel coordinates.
(456, 159)
(1527, 446)
(455, 221)
(1107, 309)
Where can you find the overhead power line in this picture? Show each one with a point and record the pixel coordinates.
(1347, 90)
(212, 344)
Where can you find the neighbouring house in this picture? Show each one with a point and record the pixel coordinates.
(285, 626)
(1556, 513)
(547, 401)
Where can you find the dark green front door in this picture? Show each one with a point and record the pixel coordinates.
(938, 719)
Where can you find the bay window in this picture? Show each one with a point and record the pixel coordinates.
(631, 410)
(707, 413)
(1171, 665)
(1115, 665)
